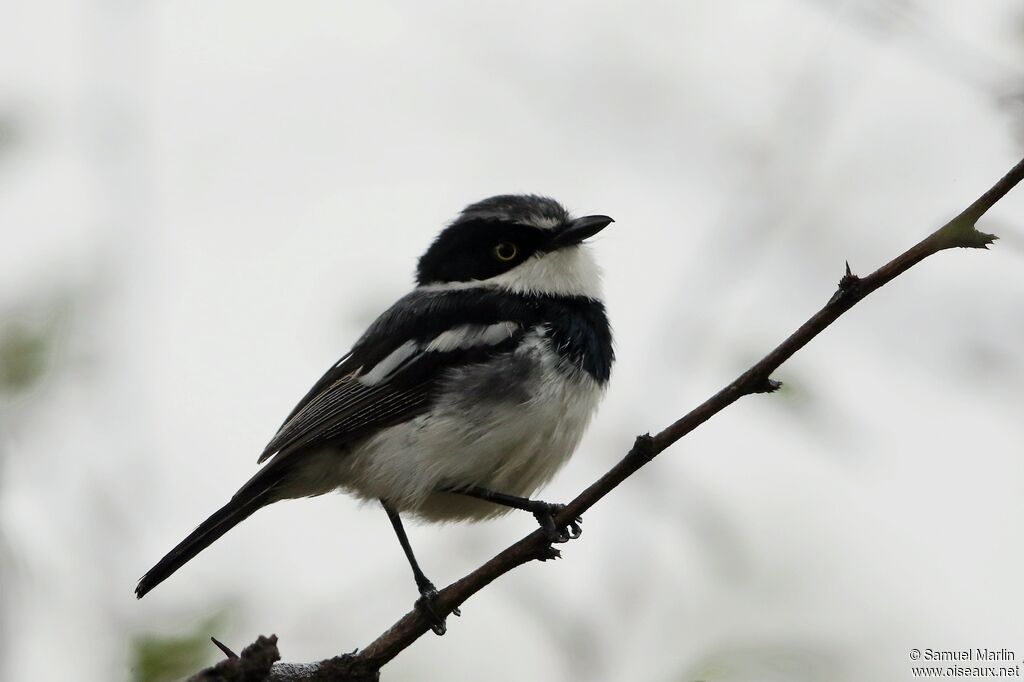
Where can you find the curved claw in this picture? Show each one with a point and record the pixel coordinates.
(428, 606)
(546, 518)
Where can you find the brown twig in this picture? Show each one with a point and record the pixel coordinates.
(958, 232)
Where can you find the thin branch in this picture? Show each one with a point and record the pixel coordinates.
(960, 232)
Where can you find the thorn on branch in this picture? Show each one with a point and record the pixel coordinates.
(848, 280)
(224, 649)
(847, 284)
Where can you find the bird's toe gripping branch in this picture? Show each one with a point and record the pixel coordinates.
(545, 513)
(428, 606)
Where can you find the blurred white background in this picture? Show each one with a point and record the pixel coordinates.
(202, 204)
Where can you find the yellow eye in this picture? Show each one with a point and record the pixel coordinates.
(506, 251)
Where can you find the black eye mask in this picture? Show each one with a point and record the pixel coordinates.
(479, 249)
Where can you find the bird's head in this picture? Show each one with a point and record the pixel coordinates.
(521, 243)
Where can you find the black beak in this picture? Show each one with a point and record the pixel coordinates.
(581, 228)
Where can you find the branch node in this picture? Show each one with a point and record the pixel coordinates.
(224, 649)
(254, 664)
(849, 284)
(849, 280)
(960, 232)
(645, 448)
(347, 667)
(979, 240)
(768, 385)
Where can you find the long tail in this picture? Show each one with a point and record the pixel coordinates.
(239, 508)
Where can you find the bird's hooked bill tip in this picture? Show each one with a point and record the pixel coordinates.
(582, 228)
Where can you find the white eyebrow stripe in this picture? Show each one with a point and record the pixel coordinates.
(542, 222)
(389, 364)
(470, 335)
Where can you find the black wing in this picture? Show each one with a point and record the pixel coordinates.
(393, 372)
(346, 408)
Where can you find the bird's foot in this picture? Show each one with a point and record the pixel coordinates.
(545, 514)
(427, 605)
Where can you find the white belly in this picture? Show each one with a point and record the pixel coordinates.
(487, 430)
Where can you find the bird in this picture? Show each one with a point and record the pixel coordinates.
(463, 398)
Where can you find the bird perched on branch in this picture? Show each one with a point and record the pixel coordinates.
(463, 398)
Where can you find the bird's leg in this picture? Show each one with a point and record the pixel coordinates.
(544, 512)
(428, 593)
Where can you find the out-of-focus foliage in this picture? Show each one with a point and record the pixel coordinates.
(30, 340)
(24, 352)
(158, 658)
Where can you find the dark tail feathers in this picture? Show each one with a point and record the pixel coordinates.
(239, 508)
